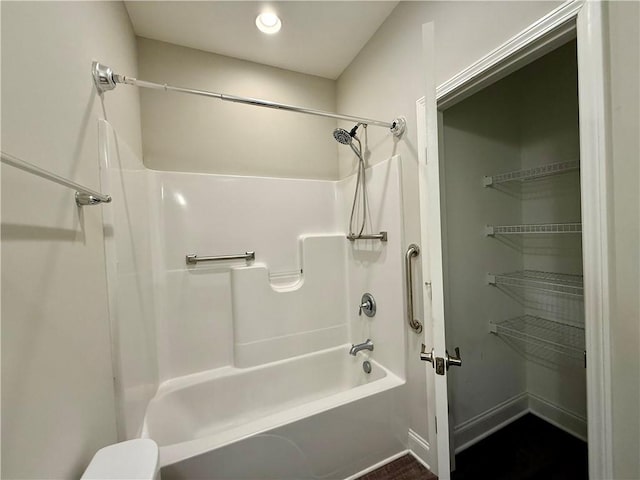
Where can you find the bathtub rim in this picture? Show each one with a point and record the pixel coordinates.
(173, 453)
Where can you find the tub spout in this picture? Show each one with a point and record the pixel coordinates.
(368, 345)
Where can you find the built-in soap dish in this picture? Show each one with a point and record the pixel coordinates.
(286, 281)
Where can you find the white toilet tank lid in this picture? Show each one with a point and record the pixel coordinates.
(133, 459)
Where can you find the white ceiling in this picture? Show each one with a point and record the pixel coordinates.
(317, 37)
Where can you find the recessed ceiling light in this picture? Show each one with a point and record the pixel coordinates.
(268, 23)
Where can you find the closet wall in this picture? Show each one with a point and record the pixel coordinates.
(528, 119)
(549, 134)
(481, 135)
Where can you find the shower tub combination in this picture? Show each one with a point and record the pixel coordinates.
(289, 396)
(290, 401)
(287, 400)
(203, 412)
(293, 398)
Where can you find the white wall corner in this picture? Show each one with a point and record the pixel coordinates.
(419, 448)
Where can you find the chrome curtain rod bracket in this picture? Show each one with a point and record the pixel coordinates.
(84, 196)
(105, 79)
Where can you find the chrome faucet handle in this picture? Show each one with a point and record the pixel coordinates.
(367, 305)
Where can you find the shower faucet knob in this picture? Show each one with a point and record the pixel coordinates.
(367, 305)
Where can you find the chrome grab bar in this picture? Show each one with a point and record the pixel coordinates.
(193, 259)
(412, 251)
(382, 236)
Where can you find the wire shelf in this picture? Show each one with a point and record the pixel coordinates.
(559, 283)
(532, 173)
(558, 337)
(539, 228)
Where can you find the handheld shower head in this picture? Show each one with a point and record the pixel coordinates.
(345, 137)
(342, 136)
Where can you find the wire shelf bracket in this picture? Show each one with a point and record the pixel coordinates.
(531, 173)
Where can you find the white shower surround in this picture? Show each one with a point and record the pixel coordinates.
(219, 214)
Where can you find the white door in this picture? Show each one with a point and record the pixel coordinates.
(437, 359)
(589, 27)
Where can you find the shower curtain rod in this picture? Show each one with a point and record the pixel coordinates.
(105, 80)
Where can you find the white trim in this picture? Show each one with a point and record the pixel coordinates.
(431, 238)
(419, 448)
(381, 463)
(419, 441)
(471, 431)
(420, 461)
(426, 253)
(558, 416)
(595, 235)
(552, 30)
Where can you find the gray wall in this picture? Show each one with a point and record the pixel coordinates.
(481, 136)
(193, 134)
(549, 133)
(57, 385)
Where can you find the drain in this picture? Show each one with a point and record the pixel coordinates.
(366, 366)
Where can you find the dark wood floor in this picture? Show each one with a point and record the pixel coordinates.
(527, 449)
(404, 468)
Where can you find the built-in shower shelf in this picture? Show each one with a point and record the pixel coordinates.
(539, 228)
(531, 173)
(559, 337)
(558, 283)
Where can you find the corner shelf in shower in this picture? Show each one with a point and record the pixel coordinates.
(539, 228)
(559, 337)
(531, 173)
(558, 283)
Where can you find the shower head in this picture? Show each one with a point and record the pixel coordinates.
(342, 136)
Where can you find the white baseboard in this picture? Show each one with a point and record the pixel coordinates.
(475, 429)
(481, 426)
(375, 466)
(571, 423)
(419, 448)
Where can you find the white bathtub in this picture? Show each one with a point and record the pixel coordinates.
(195, 414)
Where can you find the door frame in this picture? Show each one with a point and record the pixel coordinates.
(585, 21)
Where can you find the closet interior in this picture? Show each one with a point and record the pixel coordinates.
(510, 184)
